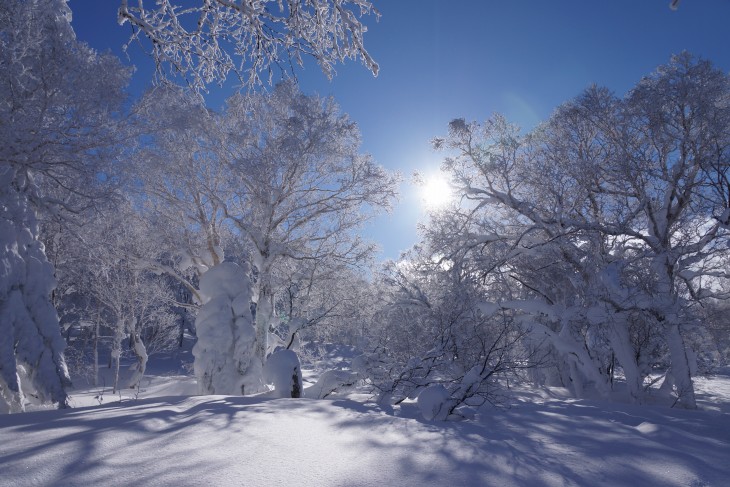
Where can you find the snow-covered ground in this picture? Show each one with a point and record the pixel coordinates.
(166, 437)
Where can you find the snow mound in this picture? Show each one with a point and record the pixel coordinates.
(647, 428)
(329, 382)
(284, 371)
(432, 402)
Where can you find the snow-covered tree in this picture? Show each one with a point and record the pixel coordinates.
(56, 95)
(225, 353)
(507, 231)
(299, 188)
(282, 167)
(676, 165)
(610, 215)
(180, 181)
(124, 295)
(31, 346)
(205, 40)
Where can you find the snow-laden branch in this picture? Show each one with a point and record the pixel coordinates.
(206, 40)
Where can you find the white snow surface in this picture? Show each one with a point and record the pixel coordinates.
(542, 440)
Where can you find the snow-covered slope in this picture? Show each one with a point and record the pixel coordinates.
(168, 437)
(221, 441)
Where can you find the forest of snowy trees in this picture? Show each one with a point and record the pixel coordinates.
(592, 252)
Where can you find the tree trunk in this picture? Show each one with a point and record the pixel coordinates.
(96, 353)
(115, 388)
(117, 353)
(680, 368)
(667, 313)
(621, 348)
(141, 352)
(264, 308)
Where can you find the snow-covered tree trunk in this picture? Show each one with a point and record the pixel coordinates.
(96, 352)
(226, 361)
(140, 352)
(584, 368)
(264, 306)
(116, 353)
(666, 309)
(618, 336)
(680, 371)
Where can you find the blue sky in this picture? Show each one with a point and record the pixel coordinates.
(445, 59)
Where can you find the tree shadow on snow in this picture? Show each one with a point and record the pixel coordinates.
(555, 443)
(207, 440)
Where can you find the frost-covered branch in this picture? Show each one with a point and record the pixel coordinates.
(205, 40)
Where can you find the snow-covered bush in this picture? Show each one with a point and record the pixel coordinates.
(332, 382)
(433, 402)
(435, 329)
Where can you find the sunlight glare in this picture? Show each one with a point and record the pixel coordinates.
(436, 192)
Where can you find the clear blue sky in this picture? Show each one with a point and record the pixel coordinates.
(444, 59)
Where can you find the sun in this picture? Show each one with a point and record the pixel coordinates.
(435, 192)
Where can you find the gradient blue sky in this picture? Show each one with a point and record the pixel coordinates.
(444, 59)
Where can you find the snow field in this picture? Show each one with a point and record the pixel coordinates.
(541, 440)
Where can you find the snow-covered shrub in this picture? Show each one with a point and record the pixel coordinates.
(434, 329)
